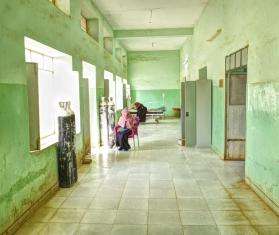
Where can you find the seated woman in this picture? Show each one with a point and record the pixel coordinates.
(141, 111)
(124, 129)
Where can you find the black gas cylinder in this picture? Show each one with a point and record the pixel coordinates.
(66, 154)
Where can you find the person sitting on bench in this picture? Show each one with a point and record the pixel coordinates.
(141, 111)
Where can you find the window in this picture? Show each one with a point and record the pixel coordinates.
(63, 5)
(108, 44)
(237, 85)
(83, 24)
(56, 82)
(112, 89)
(46, 83)
(128, 94)
(119, 93)
(228, 62)
(232, 59)
(237, 59)
(128, 91)
(111, 83)
(125, 84)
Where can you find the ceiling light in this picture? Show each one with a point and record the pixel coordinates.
(151, 14)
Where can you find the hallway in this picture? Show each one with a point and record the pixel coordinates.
(158, 189)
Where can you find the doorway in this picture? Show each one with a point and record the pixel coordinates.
(235, 122)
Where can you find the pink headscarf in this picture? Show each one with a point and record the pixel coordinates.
(126, 118)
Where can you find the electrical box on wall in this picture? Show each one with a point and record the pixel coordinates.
(221, 83)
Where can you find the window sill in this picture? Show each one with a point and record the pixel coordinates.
(90, 37)
(46, 143)
(39, 151)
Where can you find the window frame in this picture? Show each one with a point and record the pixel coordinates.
(84, 26)
(47, 63)
(55, 3)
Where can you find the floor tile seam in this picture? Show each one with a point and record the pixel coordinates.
(79, 227)
(51, 217)
(121, 197)
(76, 230)
(183, 227)
(241, 211)
(44, 206)
(254, 229)
(177, 205)
(149, 179)
(211, 214)
(86, 210)
(40, 230)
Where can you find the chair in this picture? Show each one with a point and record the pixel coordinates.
(135, 132)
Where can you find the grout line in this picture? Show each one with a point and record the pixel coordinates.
(233, 199)
(147, 162)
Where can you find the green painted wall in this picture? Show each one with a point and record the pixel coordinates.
(24, 177)
(262, 165)
(154, 98)
(154, 75)
(239, 29)
(218, 120)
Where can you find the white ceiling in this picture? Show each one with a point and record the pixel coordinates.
(135, 14)
(151, 14)
(153, 43)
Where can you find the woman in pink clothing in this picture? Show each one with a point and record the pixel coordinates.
(124, 129)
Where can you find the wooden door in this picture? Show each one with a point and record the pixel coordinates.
(236, 116)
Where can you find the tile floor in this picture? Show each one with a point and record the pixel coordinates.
(157, 189)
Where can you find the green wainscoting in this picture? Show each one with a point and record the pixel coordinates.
(158, 98)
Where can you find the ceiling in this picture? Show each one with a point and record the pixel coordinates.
(151, 14)
(153, 43)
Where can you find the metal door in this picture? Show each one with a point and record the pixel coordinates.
(203, 112)
(182, 115)
(190, 106)
(235, 116)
